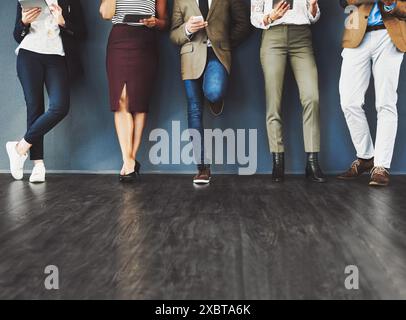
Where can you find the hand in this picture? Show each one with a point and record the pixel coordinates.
(56, 11)
(314, 7)
(194, 25)
(29, 16)
(150, 22)
(277, 13)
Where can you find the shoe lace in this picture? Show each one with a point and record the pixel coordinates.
(379, 170)
(355, 165)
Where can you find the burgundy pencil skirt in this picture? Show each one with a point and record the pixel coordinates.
(132, 61)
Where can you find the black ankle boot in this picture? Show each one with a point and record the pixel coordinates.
(278, 171)
(313, 170)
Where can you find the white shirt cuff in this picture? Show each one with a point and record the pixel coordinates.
(188, 33)
(316, 18)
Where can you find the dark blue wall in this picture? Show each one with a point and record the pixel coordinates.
(86, 140)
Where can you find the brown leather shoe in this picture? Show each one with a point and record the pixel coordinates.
(216, 108)
(358, 167)
(379, 177)
(203, 176)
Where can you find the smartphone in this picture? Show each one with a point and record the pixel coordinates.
(135, 18)
(276, 2)
(198, 18)
(31, 4)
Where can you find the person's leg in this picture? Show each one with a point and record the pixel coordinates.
(57, 85)
(354, 82)
(305, 71)
(31, 73)
(273, 60)
(306, 75)
(195, 97)
(215, 79)
(387, 61)
(140, 120)
(194, 94)
(37, 148)
(124, 122)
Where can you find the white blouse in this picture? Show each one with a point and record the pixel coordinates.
(299, 15)
(44, 36)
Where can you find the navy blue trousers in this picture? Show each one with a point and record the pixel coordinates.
(36, 72)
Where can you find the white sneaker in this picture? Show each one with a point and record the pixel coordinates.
(16, 161)
(38, 174)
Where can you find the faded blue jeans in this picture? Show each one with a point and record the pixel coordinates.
(212, 85)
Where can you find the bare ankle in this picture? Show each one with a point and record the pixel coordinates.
(23, 147)
(20, 150)
(129, 162)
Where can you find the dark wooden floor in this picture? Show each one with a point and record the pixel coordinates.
(240, 238)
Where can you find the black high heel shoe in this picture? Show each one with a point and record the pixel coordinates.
(133, 175)
(128, 177)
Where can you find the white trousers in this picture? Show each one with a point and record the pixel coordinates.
(377, 51)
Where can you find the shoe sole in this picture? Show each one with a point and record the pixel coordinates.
(310, 178)
(216, 114)
(376, 184)
(201, 181)
(37, 182)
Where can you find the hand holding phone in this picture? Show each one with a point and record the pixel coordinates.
(198, 18)
(281, 7)
(150, 22)
(196, 23)
(289, 2)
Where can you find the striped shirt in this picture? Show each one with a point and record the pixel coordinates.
(124, 7)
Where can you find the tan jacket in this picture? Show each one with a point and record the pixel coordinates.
(228, 24)
(394, 22)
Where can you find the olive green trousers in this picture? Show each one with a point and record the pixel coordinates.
(293, 43)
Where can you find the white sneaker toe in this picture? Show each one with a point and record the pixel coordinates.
(38, 174)
(16, 161)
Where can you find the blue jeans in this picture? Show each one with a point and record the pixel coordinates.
(36, 71)
(212, 86)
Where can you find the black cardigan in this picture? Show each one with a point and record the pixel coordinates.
(73, 32)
